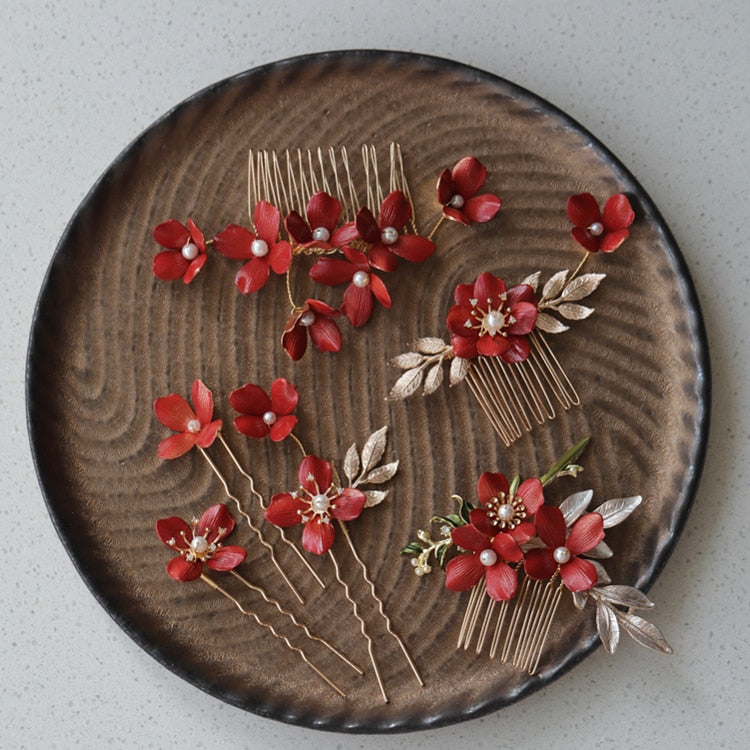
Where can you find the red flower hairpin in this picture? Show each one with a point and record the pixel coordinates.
(498, 339)
(513, 533)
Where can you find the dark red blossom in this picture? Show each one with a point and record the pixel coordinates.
(500, 511)
(363, 285)
(322, 226)
(199, 543)
(489, 320)
(315, 317)
(315, 504)
(596, 230)
(264, 251)
(562, 548)
(386, 235)
(457, 193)
(194, 427)
(261, 414)
(185, 252)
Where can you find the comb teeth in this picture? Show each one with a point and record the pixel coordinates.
(288, 179)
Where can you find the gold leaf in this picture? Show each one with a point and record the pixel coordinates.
(602, 551)
(381, 474)
(554, 285)
(625, 596)
(431, 345)
(572, 311)
(548, 324)
(533, 280)
(434, 378)
(643, 632)
(374, 448)
(407, 360)
(573, 506)
(616, 511)
(374, 497)
(607, 627)
(407, 384)
(351, 463)
(582, 286)
(459, 370)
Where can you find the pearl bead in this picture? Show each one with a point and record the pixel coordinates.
(259, 248)
(457, 201)
(505, 512)
(308, 318)
(320, 503)
(488, 557)
(596, 228)
(561, 555)
(194, 426)
(321, 234)
(389, 235)
(199, 545)
(269, 418)
(361, 279)
(190, 251)
(494, 320)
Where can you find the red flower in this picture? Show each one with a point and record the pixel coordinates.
(317, 318)
(489, 557)
(194, 427)
(315, 503)
(491, 321)
(185, 254)
(264, 251)
(200, 542)
(457, 192)
(597, 230)
(386, 235)
(321, 228)
(561, 553)
(261, 415)
(357, 305)
(501, 512)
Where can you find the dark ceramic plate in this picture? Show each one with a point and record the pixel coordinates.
(108, 338)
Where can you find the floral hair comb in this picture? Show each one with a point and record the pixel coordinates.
(512, 534)
(200, 544)
(498, 339)
(337, 212)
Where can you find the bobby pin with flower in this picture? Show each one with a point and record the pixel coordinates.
(200, 544)
(352, 235)
(498, 344)
(512, 534)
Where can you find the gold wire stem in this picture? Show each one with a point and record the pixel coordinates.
(287, 279)
(273, 632)
(578, 268)
(262, 503)
(378, 600)
(251, 525)
(295, 621)
(436, 227)
(362, 627)
(299, 444)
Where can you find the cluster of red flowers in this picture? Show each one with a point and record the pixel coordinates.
(507, 520)
(348, 253)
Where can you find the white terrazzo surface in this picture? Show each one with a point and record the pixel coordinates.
(663, 84)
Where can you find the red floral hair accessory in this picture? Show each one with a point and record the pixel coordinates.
(457, 190)
(262, 415)
(498, 341)
(599, 230)
(523, 566)
(185, 251)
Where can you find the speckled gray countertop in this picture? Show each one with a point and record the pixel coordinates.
(663, 85)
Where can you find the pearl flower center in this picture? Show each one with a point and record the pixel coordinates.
(259, 248)
(320, 503)
(321, 234)
(457, 201)
(199, 545)
(389, 235)
(307, 319)
(190, 251)
(488, 557)
(361, 279)
(596, 228)
(561, 555)
(504, 512)
(194, 426)
(269, 418)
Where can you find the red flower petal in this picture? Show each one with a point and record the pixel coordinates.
(550, 525)
(344, 234)
(470, 537)
(518, 350)
(539, 564)
(532, 494)
(325, 334)
(458, 315)
(413, 247)
(380, 291)
(521, 293)
(523, 532)
(214, 518)
(500, 581)
(208, 434)
(294, 340)
(488, 287)
(318, 536)
(266, 219)
(463, 347)
(463, 294)
(203, 402)
(582, 210)
(482, 208)
(323, 210)
(469, 175)
(357, 304)
(194, 267)
(610, 242)
(349, 504)
(235, 242)
(445, 187)
(171, 234)
(395, 211)
(297, 228)
(284, 510)
(252, 276)
(176, 445)
(617, 213)
(492, 346)
(284, 397)
(169, 265)
(332, 271)
(490, 485)
(478, 518)
(586, 533)
(314, 474)
(525, 314)
(196, 235)
(507, 547)
(367, 226)
(226, 558)
(578, 574)
(182, 570)
(282, 427)
(174, 412)
(280, 257)
(321, 308)
(173, 528)
(251, 426)
(583, 238)
(250, 399)
(463, 572)
(381, 257)
(455, 214)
